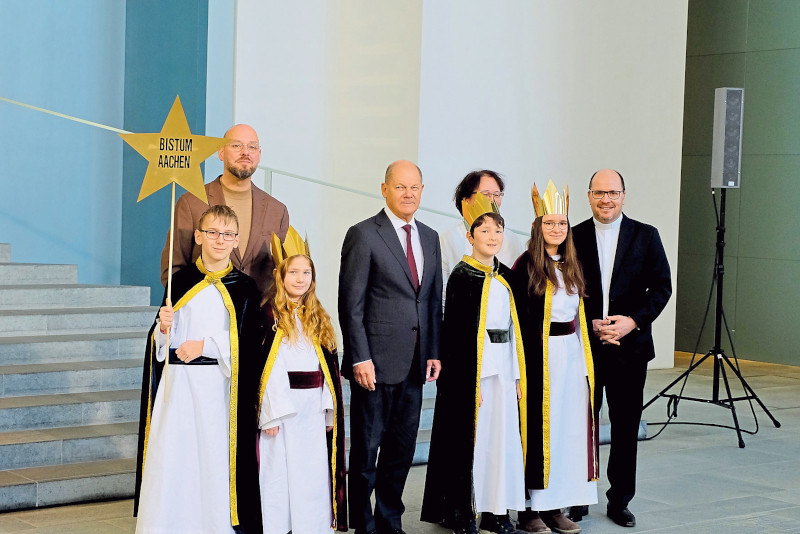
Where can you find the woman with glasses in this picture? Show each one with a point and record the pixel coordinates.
(561, 466)
(454, 242)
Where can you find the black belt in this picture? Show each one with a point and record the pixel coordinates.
(200, 360)
(562, 329)
(499, 335)
(305, 379)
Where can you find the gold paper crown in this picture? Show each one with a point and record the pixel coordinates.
(473, 210)
(292, 246)
(552, 203)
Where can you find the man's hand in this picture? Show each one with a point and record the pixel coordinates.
(364, 375)
(189, 350)
(166, 316)
(272, 432)
(619, 326)
(598, 325)
(432, 370)
(519, 391)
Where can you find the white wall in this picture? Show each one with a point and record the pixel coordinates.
(556, 90)
(534, 90)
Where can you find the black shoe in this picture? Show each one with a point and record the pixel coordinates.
(576, 513)
(499, 524)
(621, 516)
(471, 528)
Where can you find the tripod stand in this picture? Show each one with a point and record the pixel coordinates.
(721, 360)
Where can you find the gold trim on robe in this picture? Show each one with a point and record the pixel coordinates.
(262, 386)
(215, 279)
(490, 273)
(587, 354)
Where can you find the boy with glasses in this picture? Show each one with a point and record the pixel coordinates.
(197, 468)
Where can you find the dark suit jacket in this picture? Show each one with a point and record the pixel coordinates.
(269, 215)
(379, 311)
(640, 281)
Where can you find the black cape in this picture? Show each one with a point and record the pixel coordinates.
(448, 483)
(533, 312)
(244, 295)
(329, 363)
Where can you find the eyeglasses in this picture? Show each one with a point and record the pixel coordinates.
(489, 194)
(613, 195)
(238, 147)
(214, 234)
(549, 225)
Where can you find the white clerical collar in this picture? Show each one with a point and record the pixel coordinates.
(397, 222)
(610, 226)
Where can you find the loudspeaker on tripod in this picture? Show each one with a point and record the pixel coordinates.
(726, 148)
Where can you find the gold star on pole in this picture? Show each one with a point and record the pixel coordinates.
(174, 154)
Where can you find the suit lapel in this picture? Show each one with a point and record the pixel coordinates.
(623, 242)
(389, 236)
(590, 257)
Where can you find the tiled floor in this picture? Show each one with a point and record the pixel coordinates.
(691, 478)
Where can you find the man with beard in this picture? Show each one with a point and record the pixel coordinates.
(259, 214)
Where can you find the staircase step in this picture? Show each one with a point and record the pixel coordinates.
(71, 295)
(68, 409)
(70, 377)
(34, 448)
(47, 486)
(107, 345)
(37, 273)
(5, 252)
(48, 320)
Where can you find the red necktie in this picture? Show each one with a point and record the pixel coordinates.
(412, 264)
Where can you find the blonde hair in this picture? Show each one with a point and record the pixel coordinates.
(315, 320)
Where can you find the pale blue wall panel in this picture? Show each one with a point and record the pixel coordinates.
(61, 179)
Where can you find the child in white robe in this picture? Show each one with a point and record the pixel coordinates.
(190, 440)
(301, 414)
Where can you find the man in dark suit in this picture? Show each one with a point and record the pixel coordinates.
(390, 311)
(628, 285)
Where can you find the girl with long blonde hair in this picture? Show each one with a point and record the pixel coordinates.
(301, 416)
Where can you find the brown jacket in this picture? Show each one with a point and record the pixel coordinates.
(269, 215)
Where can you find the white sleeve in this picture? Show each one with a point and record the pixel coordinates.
(276, 404)
(161, 339)
(327, 404)
(218, 345)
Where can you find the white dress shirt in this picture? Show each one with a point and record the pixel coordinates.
(607, 236)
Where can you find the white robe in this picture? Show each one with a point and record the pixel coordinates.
(569, 483)
(186, 478)
(498, 468)
(294, 465)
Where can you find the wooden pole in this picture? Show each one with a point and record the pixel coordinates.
(169, 280)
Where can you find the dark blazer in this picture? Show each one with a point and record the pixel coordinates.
(379, 311)
(640, 281)
(269, 215)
